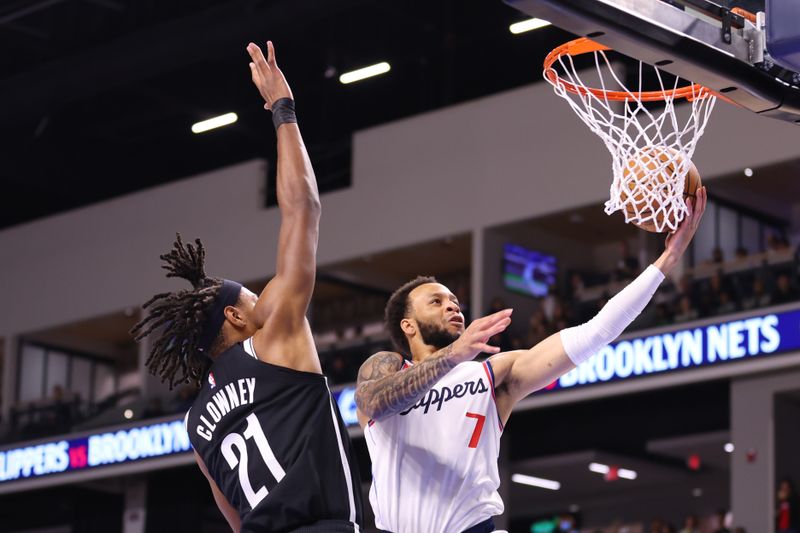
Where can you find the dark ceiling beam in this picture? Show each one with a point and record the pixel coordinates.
(17, 13)
(108, 4)
(25, 30)
(156, 50)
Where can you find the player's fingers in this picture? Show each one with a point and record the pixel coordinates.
(499, 328)
(258, 58)
(271, 54)
(254, 73)
(483, 324)
(485, 348)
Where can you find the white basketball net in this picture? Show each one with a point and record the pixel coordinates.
(647, 187)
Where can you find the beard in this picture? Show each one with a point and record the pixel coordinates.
(435, 335)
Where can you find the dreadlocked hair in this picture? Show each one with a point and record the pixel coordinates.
(178, 317)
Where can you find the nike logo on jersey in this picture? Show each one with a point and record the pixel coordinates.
(226, 400)
(438, 397)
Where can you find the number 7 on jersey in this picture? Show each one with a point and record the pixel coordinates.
(476, 434)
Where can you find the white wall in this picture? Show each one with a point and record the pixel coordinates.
(506, 157)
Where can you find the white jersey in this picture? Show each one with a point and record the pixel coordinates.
(434, 466)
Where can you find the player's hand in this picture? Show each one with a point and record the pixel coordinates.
(678, 240)
(475, 338)
(266, 75)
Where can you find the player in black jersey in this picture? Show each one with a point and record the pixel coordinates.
(265, 429)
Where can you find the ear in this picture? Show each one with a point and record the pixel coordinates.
(409, 326)
(235, 316)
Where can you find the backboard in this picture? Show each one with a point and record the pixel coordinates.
(752, 61)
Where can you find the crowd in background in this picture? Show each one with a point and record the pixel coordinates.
(348, 330)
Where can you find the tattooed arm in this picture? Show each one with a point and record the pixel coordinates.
(382, 390)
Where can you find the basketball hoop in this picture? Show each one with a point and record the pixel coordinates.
(648, 194)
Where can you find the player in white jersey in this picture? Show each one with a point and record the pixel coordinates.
(433, 424)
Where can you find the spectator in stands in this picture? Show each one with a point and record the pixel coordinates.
(153, 408)
(784, 291)
(686, 311)
(663, 316)
(758, 297)
(576, 286)
(462, 293)
(690, 524)
(183, 400)
(720, 523)
(503, 340)
(776, 242)
(787, 513)
(711, 298)
(717, 257)
(687, 289)
(538, 329)
(740, 253)
(628, 265)
(725, 305)
(57, 418)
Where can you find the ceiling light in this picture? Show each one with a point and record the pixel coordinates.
(527, 25)
(216, 122)
(627, 474)
(536, 482)
(697, 492)
(729, 447)
(366, 72)
(127, 414)
(599, 468)
(748, 172)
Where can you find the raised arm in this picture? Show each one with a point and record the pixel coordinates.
(521, 372)
(383, 390)
(289, 292)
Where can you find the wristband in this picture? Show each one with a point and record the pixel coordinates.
(283, 112)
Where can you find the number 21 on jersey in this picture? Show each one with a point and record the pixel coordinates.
(235, 440)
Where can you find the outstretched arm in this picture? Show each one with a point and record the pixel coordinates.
(289, 292)
(231, 515)
(519, 373)
(383, 390)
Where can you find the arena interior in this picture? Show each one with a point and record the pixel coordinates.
(459, 162)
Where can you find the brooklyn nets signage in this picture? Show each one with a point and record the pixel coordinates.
(756, 337)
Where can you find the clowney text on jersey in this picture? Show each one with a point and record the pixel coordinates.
(223, 402)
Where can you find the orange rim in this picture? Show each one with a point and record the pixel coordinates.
(584, 45)
(744, 14)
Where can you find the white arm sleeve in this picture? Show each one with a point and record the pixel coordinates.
(581, 342)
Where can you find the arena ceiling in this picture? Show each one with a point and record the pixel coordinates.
(97, 96)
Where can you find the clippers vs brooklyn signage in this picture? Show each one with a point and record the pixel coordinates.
(93, 451)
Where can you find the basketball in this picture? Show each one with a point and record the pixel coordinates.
(647, 181)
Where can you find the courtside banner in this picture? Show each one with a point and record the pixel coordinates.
(93, 451)
(712, 344)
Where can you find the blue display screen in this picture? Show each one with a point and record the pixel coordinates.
(754, 337)
(133, 443)
(527, 271)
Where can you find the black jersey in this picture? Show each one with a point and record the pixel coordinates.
(274, 442)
